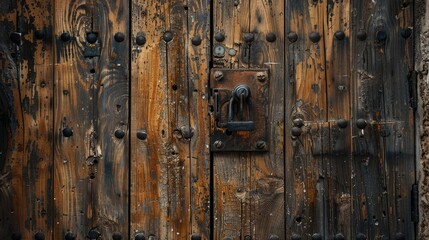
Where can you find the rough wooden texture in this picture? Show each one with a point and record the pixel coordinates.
(249, 187)
(91, 98)
(384, 167)
(305, 90)
(26, 82)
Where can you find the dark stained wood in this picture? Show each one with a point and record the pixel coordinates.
(306, 181)
(26, 82)
(337, 161)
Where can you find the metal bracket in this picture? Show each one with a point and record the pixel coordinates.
(240, 109)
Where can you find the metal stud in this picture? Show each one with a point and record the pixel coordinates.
(342, 123)
(116, 236)
(248, 37)
(67, 132)
(339, 35)
(361, 123)
(261, 76)
(65, 37)
(247, 237)
(295, 237)
(168, 36)
(142, 134)
(219, 51)
(119, 37)
(317, 236)
(339, 236)
(218, 144)
(39, 236)
(315, 37)
(196, 40)
(273, 237)
(15, 37)
(39, 34)
(220, 37)
(296, 131)
(292, 36)
(298, 122)
(261, 144)
(91, 37)
(360, 236)
(381, 35)
(271, 37)
(406, 33)
(218, 75)
(361, 35)
(93, 234)
(232, 52)
(399, 236)
(16, 236)
(195, 236)
(119, 133)
(139, 236)
(140, 40)
(70, 236)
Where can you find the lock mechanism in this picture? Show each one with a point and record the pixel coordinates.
(240, 109)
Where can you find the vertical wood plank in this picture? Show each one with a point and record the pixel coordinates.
(110, 191)
(76, 121)
(338, 159)
(306, 111)
(28, 165)
(198, 64)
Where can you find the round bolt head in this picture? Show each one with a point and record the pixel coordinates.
(16, 236)
(168, 36)
(140, 40)
(295, 237)
(261, 144)
(218, 75)
(119, 37)
(93, 234)
(220, 37)
(139, 236)
(116, 236)
(218, 144)
(360, 236)
(298, 122)
(232, 52)
(247, 237)
(361, 35)
(195, 236)
(315, 37)
(273, 237)
(15, 37)
(342, 123)
(381, 36)
(399, 236)
(339, 35)
(91, 38)
(65, 37)
(39, 34)
(339, 236)
(261, 76)
(39, 236)
(271, 37)
(406, 33)
(67, 132)
(70, 236)
(361, 123)
(317, 236)
(296, 131)
(219, 51)
(292, 37)
(142, 135)
(196, 40)
(119, 133)
(248, 37)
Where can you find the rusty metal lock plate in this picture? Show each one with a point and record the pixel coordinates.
(240, 101)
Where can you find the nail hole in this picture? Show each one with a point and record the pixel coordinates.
(174, 87)
(92, 70)
(298, 219)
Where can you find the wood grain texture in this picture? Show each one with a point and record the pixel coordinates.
(306, 106)
(27, 82)
(249, 187)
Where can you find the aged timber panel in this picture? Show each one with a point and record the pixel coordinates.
(91, 119)
(383, 167)
(307, 135)
(170, 165)
(248, 188)
(26, 85)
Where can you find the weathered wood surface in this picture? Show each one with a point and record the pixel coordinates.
(27, 84)
(248, 191)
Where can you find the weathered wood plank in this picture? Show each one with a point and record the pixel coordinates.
(198, 64)
(110, 87)
(28, 165)
(76, 121)
(306, 112)
(337, 161)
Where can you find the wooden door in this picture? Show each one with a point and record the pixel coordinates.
(108, 115)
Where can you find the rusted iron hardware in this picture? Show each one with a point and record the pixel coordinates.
(240, 109)
(92, 46)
